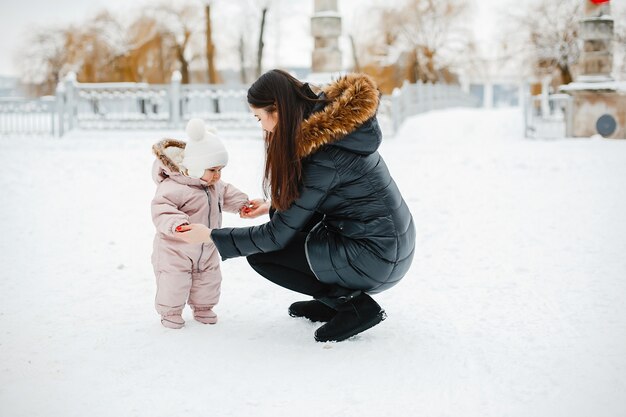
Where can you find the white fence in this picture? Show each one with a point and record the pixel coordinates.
(150, 106)
(413, 99)
(168, 106)
(34, 116)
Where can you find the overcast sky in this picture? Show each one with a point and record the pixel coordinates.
(19, 16)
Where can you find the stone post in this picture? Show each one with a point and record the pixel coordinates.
(71, 99)
(596, 31)
(175, 96)
(598, 102)
(326, 29)
(60, 104)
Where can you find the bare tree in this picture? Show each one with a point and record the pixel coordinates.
(427, 33)
(43, 59)
(180, 23)
(355, 57)
(242, 59)
(259, 54)
(150, 57)
(101, 50)
(434, 30)
(210, 47)
(546, 36)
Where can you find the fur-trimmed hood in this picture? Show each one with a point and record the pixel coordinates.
(169, 154)
(352, 100)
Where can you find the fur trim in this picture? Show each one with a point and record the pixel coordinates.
(169, 152)
(353, 99)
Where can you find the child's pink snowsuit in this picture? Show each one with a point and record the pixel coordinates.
(186, 272)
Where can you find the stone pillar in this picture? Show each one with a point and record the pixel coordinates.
(598, 102)
(175, 99)
(71, 102)
(596, 30)
(326, 29)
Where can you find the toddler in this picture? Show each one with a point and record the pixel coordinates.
(189, 190)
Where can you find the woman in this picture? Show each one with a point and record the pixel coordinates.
(339, 229)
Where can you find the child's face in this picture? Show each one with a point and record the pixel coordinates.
(212, 175)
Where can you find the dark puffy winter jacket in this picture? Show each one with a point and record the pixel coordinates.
(366, 238)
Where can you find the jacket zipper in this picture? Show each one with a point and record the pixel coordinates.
(208, 196)
(219, 206)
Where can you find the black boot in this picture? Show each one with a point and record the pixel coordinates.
(313, 310)
(353, 317)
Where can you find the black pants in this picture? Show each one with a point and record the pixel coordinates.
(290, 269)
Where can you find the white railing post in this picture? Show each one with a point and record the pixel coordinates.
(545, 97)
(175, 97)
(71, 99)
(569, 117)
(488, 95)
(396, 104)
(415, 92)
(60, 108)
(525, 102)
(48, 108)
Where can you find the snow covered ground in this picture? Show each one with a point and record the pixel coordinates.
(514, 306)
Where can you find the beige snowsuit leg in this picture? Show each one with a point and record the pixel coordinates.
(205, 286)
(179, 282)
(172, 292)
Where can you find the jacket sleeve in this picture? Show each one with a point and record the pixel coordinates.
(165, 213)
(234, 199)
(319, 178)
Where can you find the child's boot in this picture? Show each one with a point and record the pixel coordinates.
(173, 320)
(205, 315)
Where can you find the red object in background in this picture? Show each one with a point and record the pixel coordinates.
(599, 1)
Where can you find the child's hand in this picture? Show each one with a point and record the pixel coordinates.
(194, 233)
(179, 227)
(255, 208)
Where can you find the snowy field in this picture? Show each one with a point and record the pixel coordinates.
(515, 304)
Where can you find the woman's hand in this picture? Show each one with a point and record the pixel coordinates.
(254, 209)
(194, 233)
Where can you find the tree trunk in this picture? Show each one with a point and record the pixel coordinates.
(210, 47)
(357, 67)
(184, 65)
(242, 60)
(566, 75)
(259, 56)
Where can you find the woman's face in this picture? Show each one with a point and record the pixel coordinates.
(268, 119)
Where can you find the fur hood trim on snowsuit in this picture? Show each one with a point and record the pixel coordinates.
(170, 152)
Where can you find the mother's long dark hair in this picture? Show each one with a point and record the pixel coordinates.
(278, 91)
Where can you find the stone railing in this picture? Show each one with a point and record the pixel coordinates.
(412, 99)
(150, 106)
(547, 116)
(31, 116)
(101, 106)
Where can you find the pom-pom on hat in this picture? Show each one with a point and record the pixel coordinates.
(203, 150)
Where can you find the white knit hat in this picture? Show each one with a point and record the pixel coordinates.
(203, 150)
